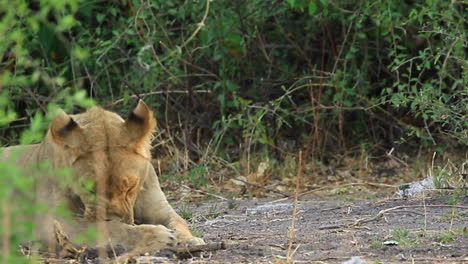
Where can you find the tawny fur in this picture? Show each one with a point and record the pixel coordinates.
(114, 154)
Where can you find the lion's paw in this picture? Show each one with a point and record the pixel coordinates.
(157, 236)
(195, 241)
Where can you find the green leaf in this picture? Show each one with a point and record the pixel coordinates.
(66, 22)
(113, 11)
(292, 3)
(80, 53)
(100, 17)
(312, 8)
(232, 86)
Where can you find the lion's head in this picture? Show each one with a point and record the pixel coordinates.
(111, 152)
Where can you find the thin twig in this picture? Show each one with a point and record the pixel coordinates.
(142, 95)
(259, 186)
(382, 212)
(200, 25)
(34, 97)
(361, 221)
(429, 132)
(204, 192)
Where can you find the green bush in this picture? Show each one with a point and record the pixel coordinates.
(258, 72)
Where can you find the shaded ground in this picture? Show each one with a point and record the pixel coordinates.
(390, 231)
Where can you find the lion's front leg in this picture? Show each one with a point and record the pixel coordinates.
(151, 207)
(134, 238)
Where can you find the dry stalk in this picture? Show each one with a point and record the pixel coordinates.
(431, 175)
(292, 228)
(172, 149)
(186, 159)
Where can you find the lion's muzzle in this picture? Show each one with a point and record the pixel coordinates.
(113, 211)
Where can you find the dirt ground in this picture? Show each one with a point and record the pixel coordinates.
(379, 231)
(326, 230)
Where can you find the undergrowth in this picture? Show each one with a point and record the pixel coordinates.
(229, 79)
(238, 84)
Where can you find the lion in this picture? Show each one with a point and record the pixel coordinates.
(114, 155)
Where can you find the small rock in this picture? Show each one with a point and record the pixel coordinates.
(268, 208)
(415, 188)
(355, 260)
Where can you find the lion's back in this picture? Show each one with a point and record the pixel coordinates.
(21, 154)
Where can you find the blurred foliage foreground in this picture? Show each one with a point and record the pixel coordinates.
(232, 79)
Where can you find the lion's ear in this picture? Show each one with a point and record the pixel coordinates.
(65, 131)
(140, 123)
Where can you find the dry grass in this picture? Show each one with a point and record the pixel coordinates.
(292, 229)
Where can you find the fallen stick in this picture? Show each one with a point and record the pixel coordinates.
(213, 246)
(178, 252)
